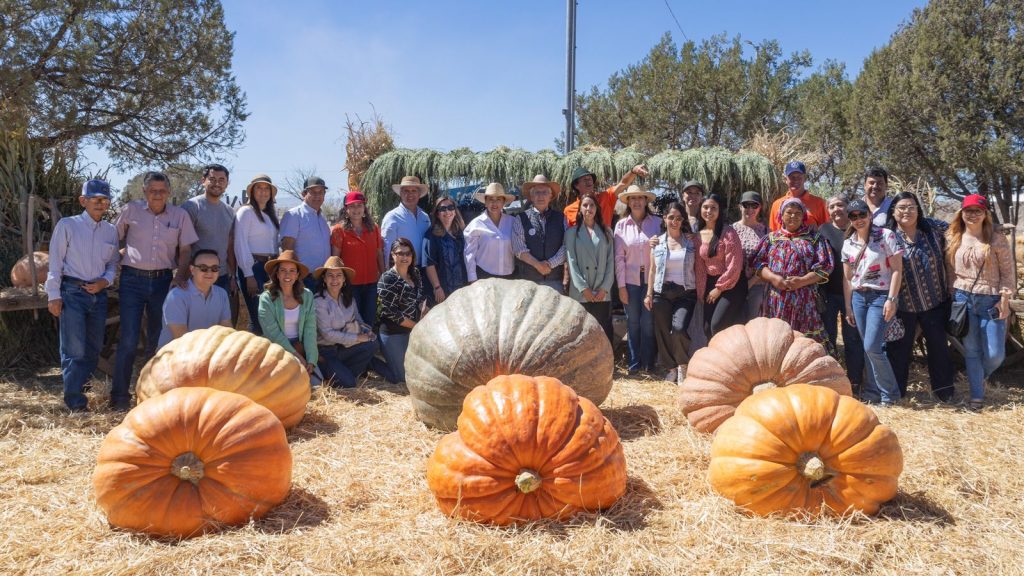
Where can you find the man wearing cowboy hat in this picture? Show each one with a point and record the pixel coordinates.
(796, 177)
(584, 182)
(305, 230)
(200, 304)
(406, 220)
(538, 235)
(157, 238)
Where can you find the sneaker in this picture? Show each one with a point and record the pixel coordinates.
(975, 405)
(672, 376)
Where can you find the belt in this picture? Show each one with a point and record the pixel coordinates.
(263, 257)
(72, 280)
(145, 273)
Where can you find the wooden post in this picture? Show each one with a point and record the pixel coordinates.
(30, 247)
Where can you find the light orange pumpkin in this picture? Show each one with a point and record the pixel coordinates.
(21, 274)
(494, 327)
(802, 447)
(763, 353)
(527, 448)
(191, 460)
(233, 361)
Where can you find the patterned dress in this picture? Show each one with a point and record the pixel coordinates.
(794, 254)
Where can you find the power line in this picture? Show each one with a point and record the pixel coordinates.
(677, 21)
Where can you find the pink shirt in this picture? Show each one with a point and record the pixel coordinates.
(727, 262)
(632, 252)
(151, 240)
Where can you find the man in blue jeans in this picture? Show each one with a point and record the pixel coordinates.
(83, 262)
(157, 239)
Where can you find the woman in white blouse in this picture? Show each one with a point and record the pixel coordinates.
(256, 242)
(489, 237)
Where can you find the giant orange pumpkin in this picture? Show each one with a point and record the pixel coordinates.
(191, 460)
(21, 274)
(494, 327)
(233, 361)
(527, 448)
(802, 447)
(763, 353)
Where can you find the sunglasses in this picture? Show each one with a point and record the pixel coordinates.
(750, 205)
(446, 208)
(207, 269)
(402, 254)
(854, 216)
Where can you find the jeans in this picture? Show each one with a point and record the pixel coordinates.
(394, 346)
(252, 303)
(755, 294)
(985, 342)
(82, 320)
(365, 296)
(341, 366)
(224, 281)
(940, 367)
(867, 311)
(137, 294)
(853, 348)
(673, 310)
(639, 329)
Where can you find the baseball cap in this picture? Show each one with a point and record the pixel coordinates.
(96, 189)
(795, 166)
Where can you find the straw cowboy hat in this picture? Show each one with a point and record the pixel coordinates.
(286, 256)
(261, 179)
(538, 181)
(335, 263)
(636, 190)
(411, 182)
(493, 190)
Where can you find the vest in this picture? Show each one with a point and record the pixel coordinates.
(542, 246)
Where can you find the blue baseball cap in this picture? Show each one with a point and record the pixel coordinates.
(96, 188)
(795, 166)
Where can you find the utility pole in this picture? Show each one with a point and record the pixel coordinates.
(570, 81)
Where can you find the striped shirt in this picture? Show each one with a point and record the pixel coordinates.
(81, 248)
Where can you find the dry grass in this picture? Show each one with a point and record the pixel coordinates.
(360, 504)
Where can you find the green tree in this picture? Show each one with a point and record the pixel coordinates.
(710, 94)
(942, 100)
(146, 80)
(820, 103)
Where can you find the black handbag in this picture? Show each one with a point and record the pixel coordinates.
(956, 325)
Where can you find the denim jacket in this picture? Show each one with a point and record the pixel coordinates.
(660, 258)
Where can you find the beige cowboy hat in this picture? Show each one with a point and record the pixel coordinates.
(636, 190)
(261, 179)
(286, 256)
(540, 180)
(493, 189)
(411, 182)
(335, 263)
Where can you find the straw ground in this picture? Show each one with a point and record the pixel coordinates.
(360, 504)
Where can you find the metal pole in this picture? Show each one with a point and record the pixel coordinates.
(570, 72)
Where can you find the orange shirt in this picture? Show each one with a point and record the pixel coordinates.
(606, 200)
(816, 210)
(359, 252)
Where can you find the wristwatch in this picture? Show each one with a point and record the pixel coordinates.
(890, 299)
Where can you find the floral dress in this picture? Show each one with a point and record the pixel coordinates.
(794, 254)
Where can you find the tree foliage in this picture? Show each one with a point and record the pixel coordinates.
(148, 81)
(943, 99)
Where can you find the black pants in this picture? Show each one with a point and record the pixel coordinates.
(481, 274)
(602, 312)
(940, 367)
(727, 309)
(673, 309)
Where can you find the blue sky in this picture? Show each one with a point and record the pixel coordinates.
(454, 73)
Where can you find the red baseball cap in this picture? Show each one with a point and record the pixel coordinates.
(354, 196)
(975, 200)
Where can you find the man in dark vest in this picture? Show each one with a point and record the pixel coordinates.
(538, 235)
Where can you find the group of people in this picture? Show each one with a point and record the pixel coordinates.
(344, 298)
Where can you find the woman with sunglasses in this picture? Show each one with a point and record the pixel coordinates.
(750, 229)
(721, 282)
(873, 270)
(287, 312)
(980, 265)
(445, 248)
(402, 304)
(356, 239)
(924, 294)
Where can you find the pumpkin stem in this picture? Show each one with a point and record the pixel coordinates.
(188, 466)
(763, 386)
(527, 481)
(812, 467)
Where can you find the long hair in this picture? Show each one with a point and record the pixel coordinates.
(716, 235)
(269, 210)
(437, 228)
(407, 244)
(851, 230)
(890, 215)
(346, 289)
(346, 222)
(598, 221)
(955, 234)
(273, 286)
(677, 205)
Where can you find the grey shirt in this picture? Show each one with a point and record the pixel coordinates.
(212, 222)
(190, 308)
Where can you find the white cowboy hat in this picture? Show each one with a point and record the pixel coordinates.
(636, 190)
(411, 182)
(538, 181)
(493, 189)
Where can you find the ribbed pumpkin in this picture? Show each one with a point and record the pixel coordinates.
(527, 448)
(191, 460)
(800, 447)
(763, 353)
(233, 361)
(21, 274)
(494, 327)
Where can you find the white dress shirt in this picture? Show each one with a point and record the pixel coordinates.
(489, 246)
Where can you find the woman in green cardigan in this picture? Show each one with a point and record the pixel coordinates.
(589, 250)
(287, 312)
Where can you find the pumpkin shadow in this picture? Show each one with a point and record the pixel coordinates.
(313, 424)
(629, 514)
(632, 422)
(917, 508)
(301, 509)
